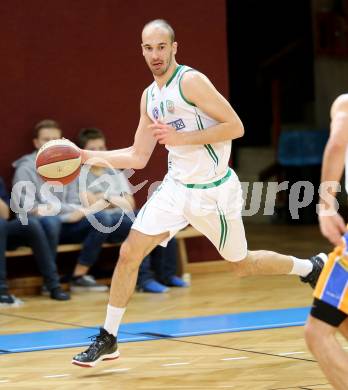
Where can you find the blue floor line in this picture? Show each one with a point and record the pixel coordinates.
(143, 331)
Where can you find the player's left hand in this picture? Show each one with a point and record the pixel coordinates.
(165, 134)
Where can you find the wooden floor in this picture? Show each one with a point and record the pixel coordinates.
(253, 360)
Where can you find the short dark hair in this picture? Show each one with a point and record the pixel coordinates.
(45, 124)
(88, 134)
(162, 23)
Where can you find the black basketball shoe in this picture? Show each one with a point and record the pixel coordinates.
(103, 347)
(318, 262)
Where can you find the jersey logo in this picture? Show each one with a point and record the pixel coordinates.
(178, 124)
(155, 113)
(162, 108)
(170, 106)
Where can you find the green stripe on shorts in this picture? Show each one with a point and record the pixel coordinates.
(210, 185)
(224, 229)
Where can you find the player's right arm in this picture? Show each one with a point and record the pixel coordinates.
(136, 156)
(331, 223)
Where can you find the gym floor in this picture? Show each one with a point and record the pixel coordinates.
(222, 332)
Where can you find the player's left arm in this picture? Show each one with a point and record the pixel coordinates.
(197, 88)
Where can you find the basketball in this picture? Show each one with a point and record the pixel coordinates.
(58, 160)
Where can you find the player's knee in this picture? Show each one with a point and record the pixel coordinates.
(312, 336)
(129, 255)
(237, 257)
(240, 268)
(125, 252)
(319, 336)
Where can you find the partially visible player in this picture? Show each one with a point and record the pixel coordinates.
(182, 110)
(330, 307)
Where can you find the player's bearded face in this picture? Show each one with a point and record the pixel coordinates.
(158, 50)
(159, 61)
(160, 67)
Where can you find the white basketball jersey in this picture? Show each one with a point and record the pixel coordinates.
(192, 163)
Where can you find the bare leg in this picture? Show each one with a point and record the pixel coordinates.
(332, 359)
(231, 244)
(132, 252)
(263, 263)
(343, 328)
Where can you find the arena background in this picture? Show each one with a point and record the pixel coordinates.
(80, 63)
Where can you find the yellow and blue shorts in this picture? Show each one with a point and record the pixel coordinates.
(331, 292)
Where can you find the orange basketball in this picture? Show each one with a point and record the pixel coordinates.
(59, 160)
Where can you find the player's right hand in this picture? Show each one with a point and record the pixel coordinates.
(332, 227)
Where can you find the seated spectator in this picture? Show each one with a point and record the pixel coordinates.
(14, 234)
(159, 268)
(71, 224)
(164, 262)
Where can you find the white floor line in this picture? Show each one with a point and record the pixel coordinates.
(291, 353)
(56, 376)
(236, 358)
(175, 364)
(165, 358)
(180, 387)
(4, 381)
(117, 370)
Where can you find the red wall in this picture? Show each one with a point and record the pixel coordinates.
(80, 62)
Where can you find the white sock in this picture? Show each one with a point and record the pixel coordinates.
(113, 319)
(301, 267)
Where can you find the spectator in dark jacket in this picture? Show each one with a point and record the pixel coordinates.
(14, 234)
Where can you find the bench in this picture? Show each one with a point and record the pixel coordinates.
(180, 236)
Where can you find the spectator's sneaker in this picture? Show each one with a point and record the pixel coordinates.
(175, 281)
(86, 283)
(8, 300)
(58, 294)
(318, 262)
(103, 347)
(152, 286)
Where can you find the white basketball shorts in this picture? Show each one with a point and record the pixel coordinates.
(214, 209)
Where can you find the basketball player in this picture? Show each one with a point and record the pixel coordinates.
(330, 307)
(182, 110)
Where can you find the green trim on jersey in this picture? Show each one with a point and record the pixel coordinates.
(147, 94)
(213, 152)
(173, 75)
(210, 153)
(210, 185)
(208, 147)
(180, 89)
